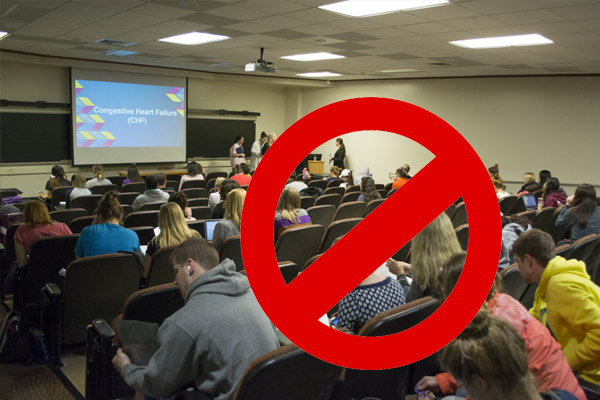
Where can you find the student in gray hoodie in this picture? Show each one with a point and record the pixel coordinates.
(213, 338)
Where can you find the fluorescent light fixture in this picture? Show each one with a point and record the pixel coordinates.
(503, 41)
(193, 38)
(313, 57)
(368, 8)
(393, 71)
(3, 34)
(120, 53)
(321, 74)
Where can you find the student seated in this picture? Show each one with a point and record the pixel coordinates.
(211, 340)
(490, 361)
(153, 194)
(133, 176)
(289, 212)
(227, 186)
(399, 179)
(79, 189)
(181, 200)
(194, 174)
(545, 359)
(242, 174)
(230, 225)
(215, 197)
(367, 189)
(581, 214)
(552, 195)
(99, 178)
(566, 300)
(106, 235)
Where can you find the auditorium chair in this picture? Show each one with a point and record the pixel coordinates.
(94, 288)
(382, 193)
(127, 197)
(298, 244)
(350, 196)
(194, 184)
(372, 205)
(199, 202)
(214, 175)
(507, 204)
(353, 209)
(583, 248)
(307, 202)
(197, 226)
(201, 212)
(210, 184)
(352, 189)
(232, 249)
(195, 193)
(404, 253)
(144, 233)
(141, 218)
(172, 184)
(160, 270)
(335, 230)
(514, 285)
(530, 215)
(154, 206)
(543, 217)
(450, 210)
(564, 250)
(127, 209)
(322, 215)
(137, 187)
(460, 215)
(289, 270)
(79, 223)
(593, 265)
(174, 177)
(59, 195)
(389, 383)
(335, 190)
(102, 189)
(117, 180)
(334, 183)
(331, 199)
(287, 373)
(462, 234)
(68, 215)
(89, 203)
(320, 183)
(519, 206)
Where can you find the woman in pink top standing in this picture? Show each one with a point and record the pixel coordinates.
(236, 152)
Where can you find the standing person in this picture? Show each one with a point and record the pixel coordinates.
(271, 137)
(194, 173)
(99, 178)
(256, 151)
(581, 214)
(566, 300)
(36, 224)
(489, 359)
(340, 154)
(106, 235)
(211, 340)
(133, 176)
(236, 152)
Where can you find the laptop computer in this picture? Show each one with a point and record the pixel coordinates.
(530, 201)
(209, 228)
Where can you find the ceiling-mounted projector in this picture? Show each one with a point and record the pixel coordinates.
(261, 65)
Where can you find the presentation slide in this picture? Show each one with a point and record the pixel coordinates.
(121, 118)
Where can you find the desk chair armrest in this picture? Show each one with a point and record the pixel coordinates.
(51, 321)
(52, 290)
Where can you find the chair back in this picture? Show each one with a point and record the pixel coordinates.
(530, 215)
(462, 234)
(564, 250)
(141, 218)
(334, 183)
(382, 193)
(289, 270)
(144, 233)
(519, 206)
(151, 206)
(201, 212)
(403, 254)
(194, 184)
(558, 233)
(173, 184)
(137, 187)
(287, 373)
(298, 244)
(528, 296)
(307, 202)
(593, 265)
(10, 254)
(335, 230)
(311, 260)
(373, 204)
(127, 197)
(353, 188)
(200, 202)
(102, 189)
(68, 215)
(328, 199)
(450, 210)
(400, 318)
(116, 180)
(507, 204)
(154, 304)
(59, 194)
(198, 226)
(543, 217)
(161, 270)
(354, 209)
(460, 215)
(210, 184)
(174, 178)
(77, 225)
(350, 196)
(322, 215)
(583, 248)
(335, 190)
(320, 183)
(215, 175)
(513, 282)
(96, 288)
(48, 256)
(232, 249)
(88, 203)
(195, 193)
(127, 209)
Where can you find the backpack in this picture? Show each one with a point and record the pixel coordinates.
(10, 342)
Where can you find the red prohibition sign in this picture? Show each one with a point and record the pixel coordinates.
(295, 308)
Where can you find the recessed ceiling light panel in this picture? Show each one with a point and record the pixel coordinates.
(3, 34)
(368, 8)
(321, 74)
(313, 57)
(194, 38)
(120, 53)
(503, 41)
(393, 71)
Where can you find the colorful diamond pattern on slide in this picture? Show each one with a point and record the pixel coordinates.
(89, 126)
(176, 94)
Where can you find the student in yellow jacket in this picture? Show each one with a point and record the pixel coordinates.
(566, 301)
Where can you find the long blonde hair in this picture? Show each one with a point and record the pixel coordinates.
(173, 229)
(430, 249)
(234, 204)
(289, 204)
(98, 171)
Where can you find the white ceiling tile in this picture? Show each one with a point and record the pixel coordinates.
(591, 24)
(276, 7)
(159, 10)
(428, 28)
(119, 5)
(319, 30)
(87, 9)
(354, 25)
(501, 31)
(387, 33)
(14, 44)
(468, 24)
(576, 37)
(396, 19)
(554, 27)
(243, 14)
(582, 12)
(442, 13)
(315, 16)
(500, 7)
(279, 21)
(529, 17)
(250, 27)
(172, 28)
